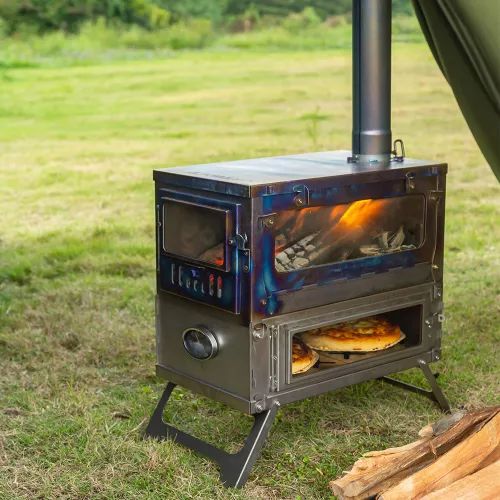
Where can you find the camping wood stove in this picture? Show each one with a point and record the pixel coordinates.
(251, 254)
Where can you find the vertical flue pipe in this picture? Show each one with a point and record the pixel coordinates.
(371, 36)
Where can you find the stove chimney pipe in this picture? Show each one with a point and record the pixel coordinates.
(371, 82)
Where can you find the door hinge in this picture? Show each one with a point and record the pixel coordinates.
(240, 242)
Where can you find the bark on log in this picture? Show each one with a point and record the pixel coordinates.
(464, 459)
(482, 485)
(441, 425)
(373, 474)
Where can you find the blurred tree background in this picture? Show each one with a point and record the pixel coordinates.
(73, 32)
(40, 16)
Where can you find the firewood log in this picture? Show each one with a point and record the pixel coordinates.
(482, 485)
(465, 458)
(214, 255)
(373, 474)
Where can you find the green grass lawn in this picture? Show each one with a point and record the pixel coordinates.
(77, 384)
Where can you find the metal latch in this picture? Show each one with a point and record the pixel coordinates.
(240, 242)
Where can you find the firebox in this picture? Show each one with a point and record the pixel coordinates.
(282, 278)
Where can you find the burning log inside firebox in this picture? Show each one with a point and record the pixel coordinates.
(213, 255)
(360, 229)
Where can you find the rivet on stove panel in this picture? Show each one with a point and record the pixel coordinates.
(259, 406)
(219, 287)
(258, 331)
(268, 222)
(299, 201)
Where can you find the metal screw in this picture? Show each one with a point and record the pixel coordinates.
(259, 406)
(231, 241)
(435, 267)
(299, 201)
(410, 181)
(263, 302)
(269, 222)
(258, 332)
(246, 269)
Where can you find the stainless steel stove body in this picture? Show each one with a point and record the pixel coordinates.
(252, 253)
(231, 295)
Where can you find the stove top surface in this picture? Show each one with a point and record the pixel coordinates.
(250, 173)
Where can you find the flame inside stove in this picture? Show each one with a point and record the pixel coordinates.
(360, 214)
(317, 235)
(329, 221)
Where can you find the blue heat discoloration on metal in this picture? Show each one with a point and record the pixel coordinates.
(189, 273)
(254, 189)
(186, 272)
(269, 283)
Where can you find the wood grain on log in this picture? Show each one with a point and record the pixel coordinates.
(465, 458)
(373, 474)
(482, 485)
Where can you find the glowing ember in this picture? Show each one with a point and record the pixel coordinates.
(213, 255)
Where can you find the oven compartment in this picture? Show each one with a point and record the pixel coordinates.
(416, 309)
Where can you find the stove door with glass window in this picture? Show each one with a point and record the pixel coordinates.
(322, 252)
(195, 259)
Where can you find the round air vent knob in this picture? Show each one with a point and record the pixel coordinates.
(200, 342)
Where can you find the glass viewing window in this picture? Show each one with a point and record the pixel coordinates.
(195, 232)
(315, 236)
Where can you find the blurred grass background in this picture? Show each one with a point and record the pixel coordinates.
(82, 125)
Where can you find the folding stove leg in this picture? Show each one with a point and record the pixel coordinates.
(435, 394)
(234, 467)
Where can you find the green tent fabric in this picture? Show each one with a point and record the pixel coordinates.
(464, 36)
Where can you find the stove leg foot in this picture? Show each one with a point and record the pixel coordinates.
(435, 394)
(234, 467)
